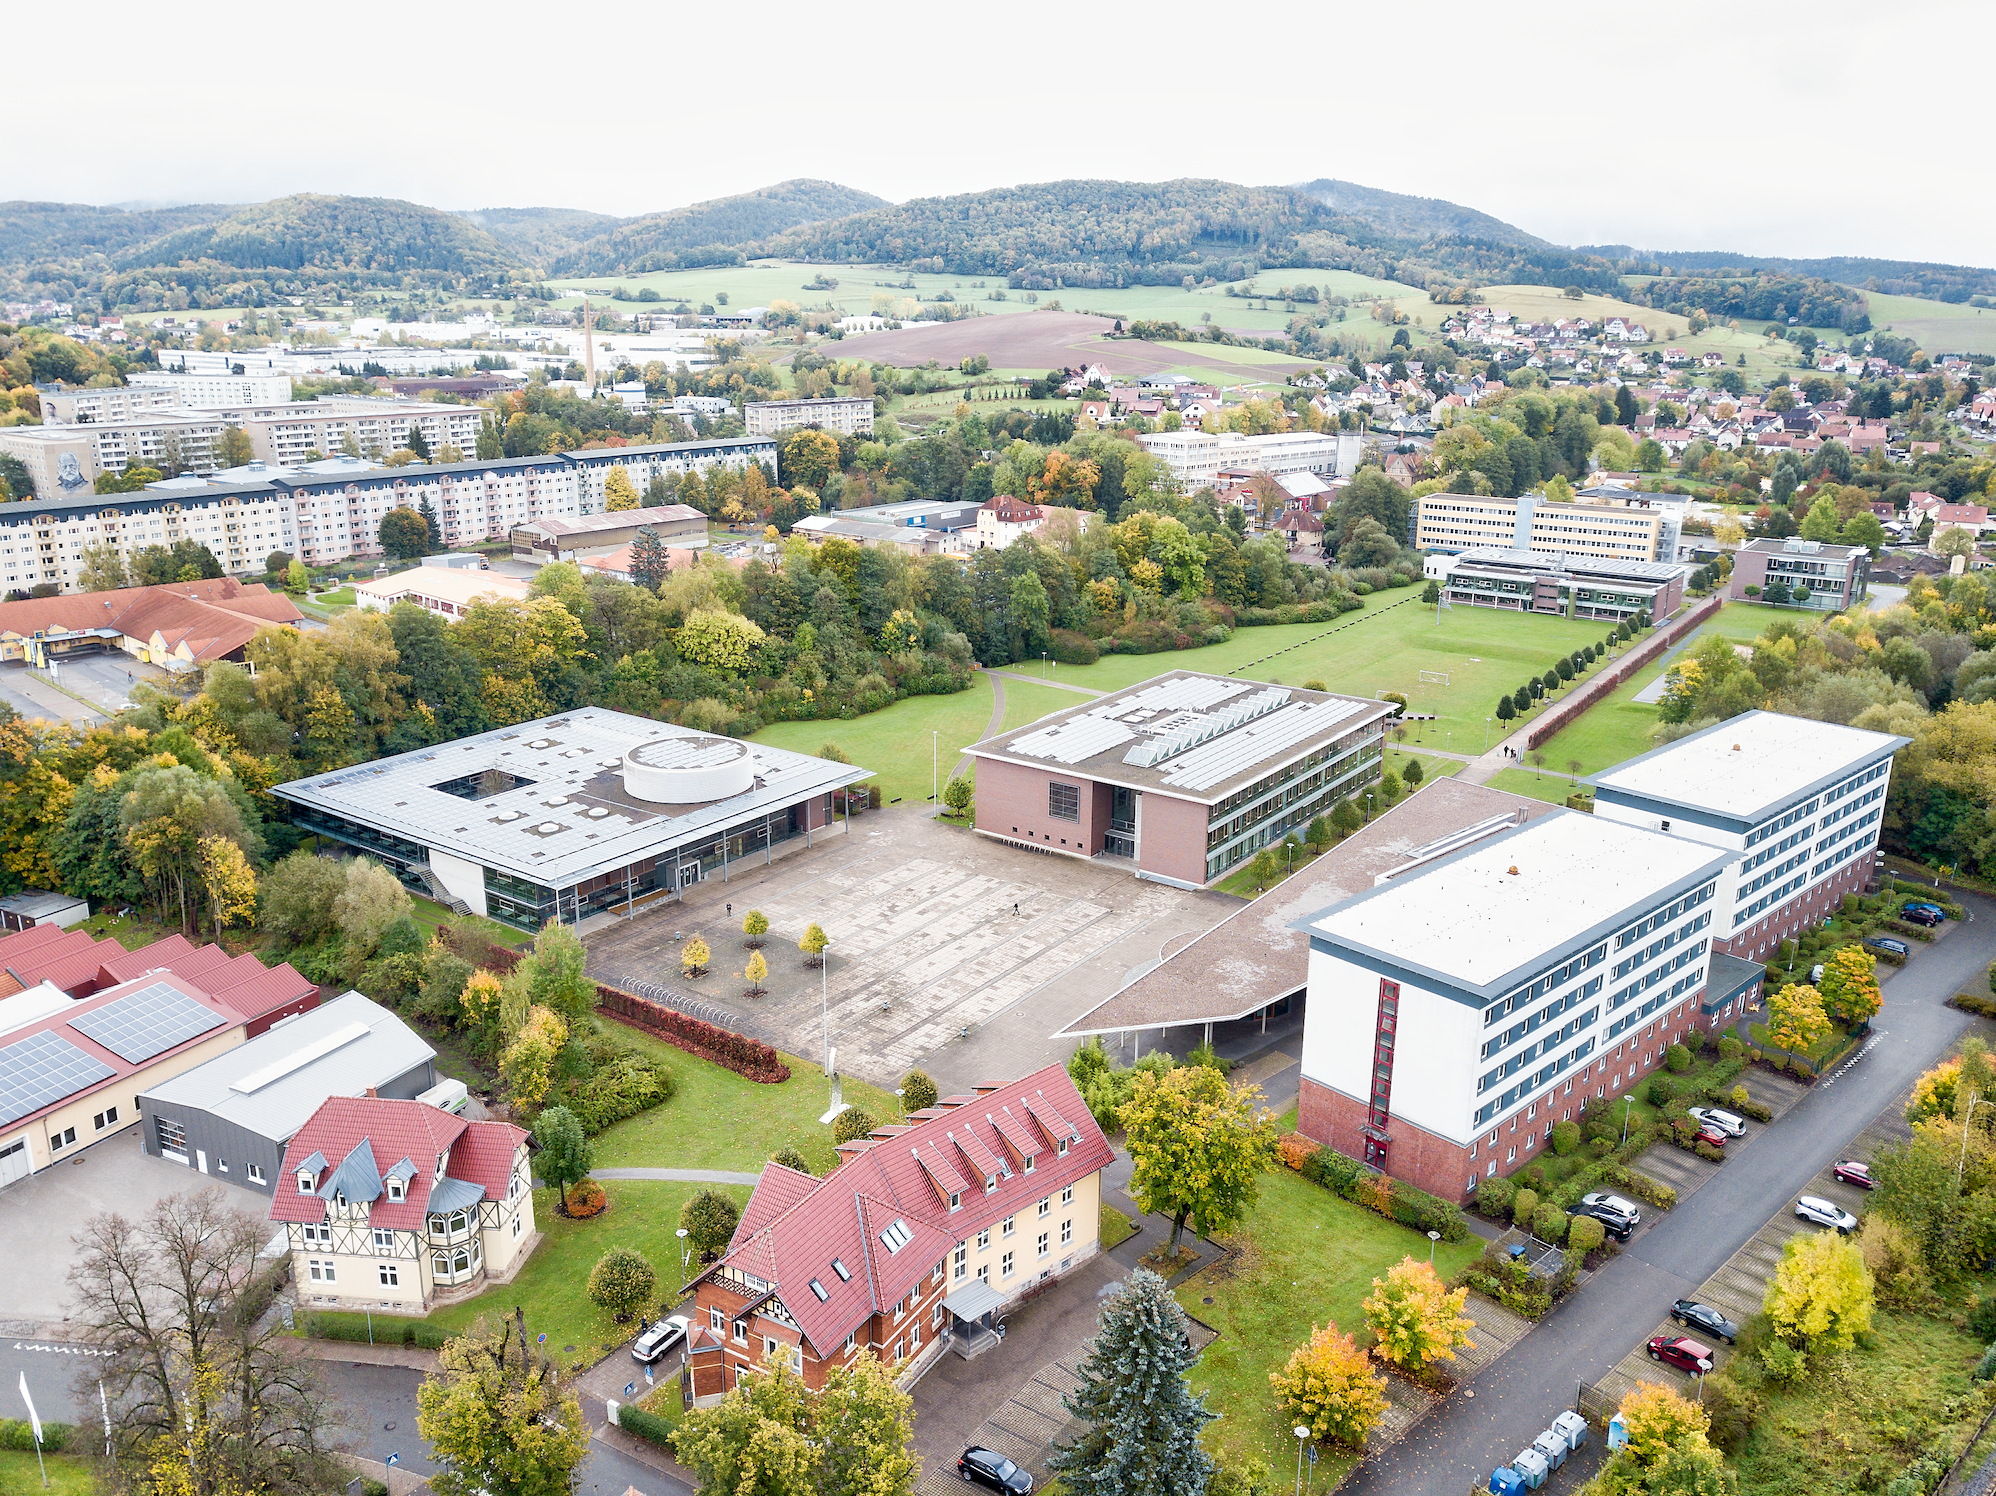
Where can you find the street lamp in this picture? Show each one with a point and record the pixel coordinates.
(1486, 734)
(900, 1106)
(825, 1003)
(935, 786)
(1628, 1101)
(1302, 1439)
(1433, 1237)
(681, 1234)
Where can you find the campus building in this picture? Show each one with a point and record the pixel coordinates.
(571, 816)
(847, 415)
(1197, 458)
(1531, 522)
(1793, 805)
(922, 1233)
(176, 625)
(1802, 573)
(1461, 1008)
(447, 591)
(396, 1205)
(1562, 585)
(1183, 777)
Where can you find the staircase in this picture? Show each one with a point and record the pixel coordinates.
(437, 890)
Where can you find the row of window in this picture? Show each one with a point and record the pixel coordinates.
(1859, 827)
(1858, 781)
(1780, 869)
(1642, 984)
(1769, 899)
(1543, 1016)
(1669, 995)
(1768, 854)
(1844, 854)
(1760, 834)
(1542, 1078)
(1657, 947)
(1544, 984)
(1662, 917)
(1549, 1043)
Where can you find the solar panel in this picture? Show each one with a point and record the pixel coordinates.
(147, 1022)
(1259, 741)
(1073, 740)
(43, 1068)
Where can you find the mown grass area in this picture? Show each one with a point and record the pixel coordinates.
(1547, 787)
(1308, 1257)
(896, 742)
(718, 1120)
(1857, 1420)
(69, 1475)
(1938, 326)
(432, 917)
(1116, 1228)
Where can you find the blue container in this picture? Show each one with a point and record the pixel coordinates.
(1504, 1481)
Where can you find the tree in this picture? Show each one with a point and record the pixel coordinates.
(755, 925)
(1328, 1386)
(499, 1416)
(483, 999)
(370, 900)
(555, 975)
(416, 442)
(1953, 541)
(1795, 1017)
(1143, 1420)
(619, 493)
(1820, 1299)
(1506, 709)
(1822, 521)
(404, 534)
(228, 881)
(1415, 1319)
(1199, 1147)
(957, 795)
(852, 1124)
(864, 1432)
(103, 568)
(771, 1436)
(649, 562)
(1660, 1423)
(1412, 775)
(790, 1158)
(236, 450)
(296, 577)
(163, 817)
(622, 1282)
(720, 640)
(565, 1152)
(1849, 986)
(527, 1065)
(693, 957)
(709, 1218)
(807, 457)
(918, 1092)
(756, 974)
(297, 898)
(173, 1298)
(813, 944)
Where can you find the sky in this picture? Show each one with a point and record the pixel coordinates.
(1836, 128)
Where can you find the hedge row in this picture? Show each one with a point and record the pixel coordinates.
(1382, 1194)
(387, 1330)
(737, 1052)
(1974, 1002)
(648, 1426)
(19, 1434)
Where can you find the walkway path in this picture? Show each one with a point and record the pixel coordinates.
(1047, 680)
(679, 1176)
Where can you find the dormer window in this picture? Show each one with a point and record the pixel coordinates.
(955, 1201)
(990, 1183)
(306, 1183)
(396, 1190)
(1063, 1147)
(1031, 1158)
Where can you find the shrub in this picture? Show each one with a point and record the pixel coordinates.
(586, 1199)
(1585, 1234)
(1677, 1059)
(918, 1092)
(1982, 1318)
(1549, 1223)
(1333, 1171)
(622, 1282)
(1783, 1364)
(852, 1124)
(1565, 1137)
(747, 1057)
(19, 1434)
(1661, 1091)
(648, 1426)
(1732, 1410)
(1985, 1368)
(1493, 1198)
(623, 1086)
(1600, 1147)
(790, 1158)
(1295, 1150)
(709, 1219)
(1711, 1153)
(1970, 1002)
(1522, 1205)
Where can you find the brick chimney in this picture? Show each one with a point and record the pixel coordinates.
(372, 1094)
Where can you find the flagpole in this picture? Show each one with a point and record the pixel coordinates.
(35, 1422)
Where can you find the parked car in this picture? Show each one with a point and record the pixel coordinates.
(1927, 918)
(1853, 1171)
(1682, 1352)
(987, 1467)
(1712, 1135)
(1617, 1216)
(1726, 1122)
(1886, 945)
(1825, 1213)
(1696, 1316)
(1923, 904)
(667, 1335)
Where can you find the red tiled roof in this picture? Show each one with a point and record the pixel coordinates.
(792, 1228)
(213, 617)
(477, 1152)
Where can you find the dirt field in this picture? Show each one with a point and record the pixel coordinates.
(1038, 340)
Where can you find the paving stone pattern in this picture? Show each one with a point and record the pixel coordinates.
(1024, 1429)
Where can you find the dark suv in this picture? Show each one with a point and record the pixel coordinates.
(1696, 1316)
(1618, 1217)
(987, 1467)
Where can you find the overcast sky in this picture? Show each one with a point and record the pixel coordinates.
(1834, 128)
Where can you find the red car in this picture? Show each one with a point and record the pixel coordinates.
(1851, 1171)
(1712, 1135)
(1682, 1352)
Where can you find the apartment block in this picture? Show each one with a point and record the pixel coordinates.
(1801, 573)
(1196, 458)
(89, 407)
(1793, 805)
(1464, 522)
(215, 388)
(846, 415)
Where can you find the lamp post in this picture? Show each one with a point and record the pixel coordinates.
(1628, 1101)
(825, 1003)
(1433, 1237)
(681, 1234)
(900, 1104)
(1302, 1439)
(935, 773)
(1486, 734)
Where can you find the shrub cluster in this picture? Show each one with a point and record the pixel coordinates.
(648, 1426)
(737, 1052)
(388, 1330)
(19, 1434)
(1395, 1199)
(620, 1086)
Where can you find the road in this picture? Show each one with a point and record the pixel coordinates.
(1518, 1396)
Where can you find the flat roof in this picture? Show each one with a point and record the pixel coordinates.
(1195, 736)
(612, 519)
(1588, 566)
(272, 1084)
(565, 815)
(1257, 955)
(456, 584)
(1508, 906)
(1747, 766)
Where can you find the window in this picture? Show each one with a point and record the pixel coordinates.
(384, 1241)
(320, 1271)
(717, 1322)
(1005, 1265)
(962, 1259)
(1030, 1159)
(1067, 1195)
(61, 1140)
(1067, 1231)
(389, 1274)
(170, 1135)
(1046, 1207)
(106, 1118)
(771, 1349)
(914, 1338)
(984, 1272)
(936, 1317)
(305, 1182)
(1064, 802)
(396, 1189)
(317, 1234)
(255, 1173)
(1043, 1243)
(1061, 1147)
(516, 1225)
(819, 1290)
(844, 1272)
(984, 1238)
(741, 1332)
(990, 1183)
(1005, 1227)
(955, 1202)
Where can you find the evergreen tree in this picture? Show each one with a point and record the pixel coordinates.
(648, 560)
(429, 512)
(418, 443)
(1143, 1420)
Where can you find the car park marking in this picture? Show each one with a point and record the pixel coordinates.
(1862, 1050)
(63, 1350)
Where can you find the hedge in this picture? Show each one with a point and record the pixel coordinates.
(737, 1052)
(388, 1330)
(649, 1426)
(19, 1434)
(1973, 1002)
(1395, 1199)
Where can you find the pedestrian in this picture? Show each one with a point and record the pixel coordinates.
(731, 911)
(1015, 908)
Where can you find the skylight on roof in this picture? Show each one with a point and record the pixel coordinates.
(844, 1272)
(819, 1289)
(896, 1236)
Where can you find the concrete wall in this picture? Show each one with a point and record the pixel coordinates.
(461, 876)
(1173, 840)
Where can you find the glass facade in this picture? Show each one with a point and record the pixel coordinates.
(1268, 810)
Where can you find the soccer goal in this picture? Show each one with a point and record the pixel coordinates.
(1434, 677)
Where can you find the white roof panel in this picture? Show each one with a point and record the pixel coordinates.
(1748, 765)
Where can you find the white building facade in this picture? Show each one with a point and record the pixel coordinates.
(847, 415)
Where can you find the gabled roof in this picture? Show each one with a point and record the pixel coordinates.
(880, 1213)
(359, 1130)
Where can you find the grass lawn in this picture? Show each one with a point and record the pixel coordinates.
(890, 741)
(1549, 788)
(1026, 701)
(1115, 1228)
(432, 916)
(1936, 325)
(1853, 1424)
(1309, 1257)
(69, 1475)
(718, 1120)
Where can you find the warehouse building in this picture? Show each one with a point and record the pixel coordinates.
(1181, 778)
(576, 815)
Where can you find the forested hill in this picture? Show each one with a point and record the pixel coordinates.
(1894, 277)
(311, 231)
(1399, 216)
(53, 233)
(713, 231)
(541, 235)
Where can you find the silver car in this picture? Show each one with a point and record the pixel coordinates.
(1825, 1213)
(666, 1335)
(1726, 1122)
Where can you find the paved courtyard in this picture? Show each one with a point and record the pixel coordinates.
(948, 951)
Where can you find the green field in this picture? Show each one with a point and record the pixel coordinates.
(1550, 788)
(1309, 1258)
(68, 1475)
(1937, 326)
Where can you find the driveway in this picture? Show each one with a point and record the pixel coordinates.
(1590, 1332)
(39, 1215)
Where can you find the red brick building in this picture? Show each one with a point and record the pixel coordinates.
(924, 1231)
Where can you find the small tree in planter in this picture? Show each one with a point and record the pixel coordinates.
(813, 944)
(851, 1125)
(756, 973)
(755, 925)
(693, 958)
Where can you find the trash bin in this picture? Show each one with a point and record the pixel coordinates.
(1618, 1432)
(1531, 1468)
(1504, 1481)
(1571, 1427)
(1553, 1447)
